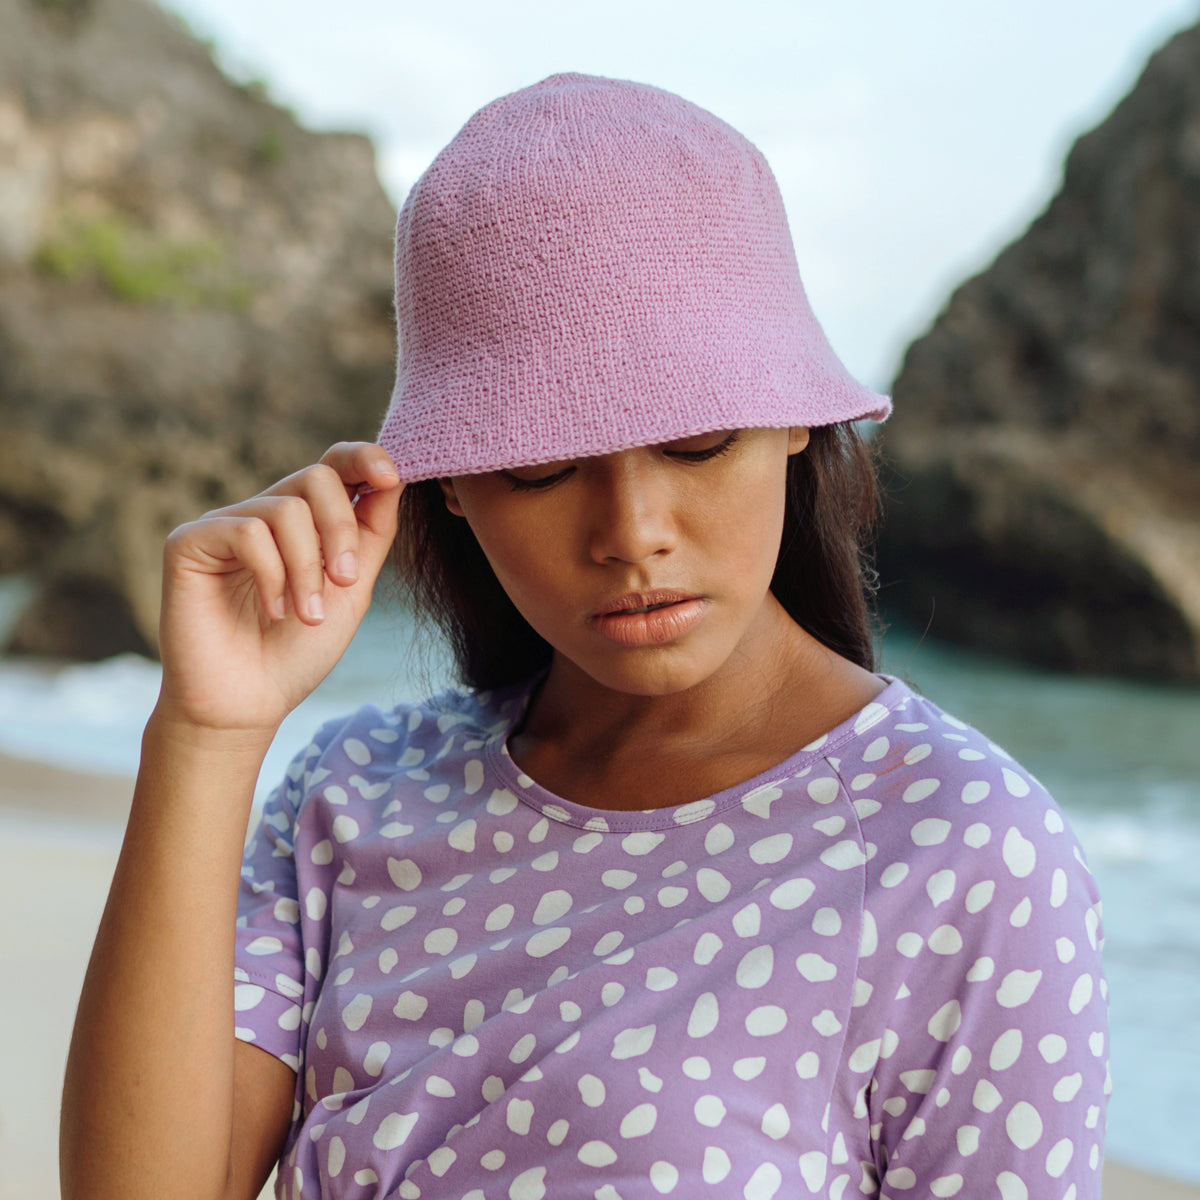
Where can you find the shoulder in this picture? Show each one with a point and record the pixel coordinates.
(925, 784)
(364, 750)
(968, 856)
(902, 739)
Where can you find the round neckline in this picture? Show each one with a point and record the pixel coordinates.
(606, 820)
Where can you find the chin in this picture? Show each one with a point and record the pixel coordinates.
(645, 673)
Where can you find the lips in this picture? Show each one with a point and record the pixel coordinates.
(643, 602)
(651, 618)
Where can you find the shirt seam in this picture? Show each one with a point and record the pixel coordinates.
(867, 1089)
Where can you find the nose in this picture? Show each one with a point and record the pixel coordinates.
(630, 509)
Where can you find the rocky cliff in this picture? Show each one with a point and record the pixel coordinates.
(195, 298)
(1045, 501)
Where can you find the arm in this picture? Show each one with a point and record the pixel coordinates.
(259, 602)
(995, 1076)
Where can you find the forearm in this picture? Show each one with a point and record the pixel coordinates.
(148, 1098)
(260, 600)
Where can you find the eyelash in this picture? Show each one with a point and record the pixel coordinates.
(688, 456)
(694, 456)
(533, 485)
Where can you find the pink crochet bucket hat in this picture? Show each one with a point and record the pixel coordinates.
(592, 265)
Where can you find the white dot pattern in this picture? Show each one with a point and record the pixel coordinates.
(871, 971)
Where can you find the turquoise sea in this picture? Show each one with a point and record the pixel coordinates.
(1123, 760)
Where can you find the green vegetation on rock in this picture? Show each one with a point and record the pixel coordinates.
(269, 149)
(67, 6)
(143, 268)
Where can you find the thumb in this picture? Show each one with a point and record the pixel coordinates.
(377, 513)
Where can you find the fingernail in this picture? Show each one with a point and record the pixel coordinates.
(278, 608)
(316, 609)
(347, 565)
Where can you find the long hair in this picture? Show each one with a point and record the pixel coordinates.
(823, 576)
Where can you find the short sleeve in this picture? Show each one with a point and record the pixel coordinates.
(990, 1008)
(269, 954)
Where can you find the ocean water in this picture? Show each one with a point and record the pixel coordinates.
(1123, 760)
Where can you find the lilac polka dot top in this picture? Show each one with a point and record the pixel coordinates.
(871, 971)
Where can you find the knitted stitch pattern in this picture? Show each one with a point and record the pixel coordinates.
(592, 265)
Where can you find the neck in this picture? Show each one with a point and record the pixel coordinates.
(609, 749)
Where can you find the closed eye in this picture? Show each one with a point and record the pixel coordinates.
(680, 450)
(523, 483)
(688, 450)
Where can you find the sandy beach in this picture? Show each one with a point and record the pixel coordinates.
(59, 838)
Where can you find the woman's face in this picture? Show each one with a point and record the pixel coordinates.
(648, 569)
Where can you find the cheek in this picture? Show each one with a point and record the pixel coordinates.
(522, 558)
(751, 525)
(506, 549)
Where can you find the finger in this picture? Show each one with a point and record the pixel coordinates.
(336, 522)
(223, 544)
(348, 472)
(259, 554)
(290, 520)
(362, 464)
(377, 514)
(331, 512)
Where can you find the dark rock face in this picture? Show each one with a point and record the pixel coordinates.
(195, 299)
(1046, 446)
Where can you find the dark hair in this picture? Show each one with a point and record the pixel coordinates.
(823, 577)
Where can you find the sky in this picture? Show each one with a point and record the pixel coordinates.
(911, 141)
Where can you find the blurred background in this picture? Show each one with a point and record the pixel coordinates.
(996, 211)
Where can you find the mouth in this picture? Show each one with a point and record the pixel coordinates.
(652, 618)
(636, 603)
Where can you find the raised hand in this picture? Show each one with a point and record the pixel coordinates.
(261, 599)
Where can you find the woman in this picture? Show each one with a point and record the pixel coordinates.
(678, 895)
